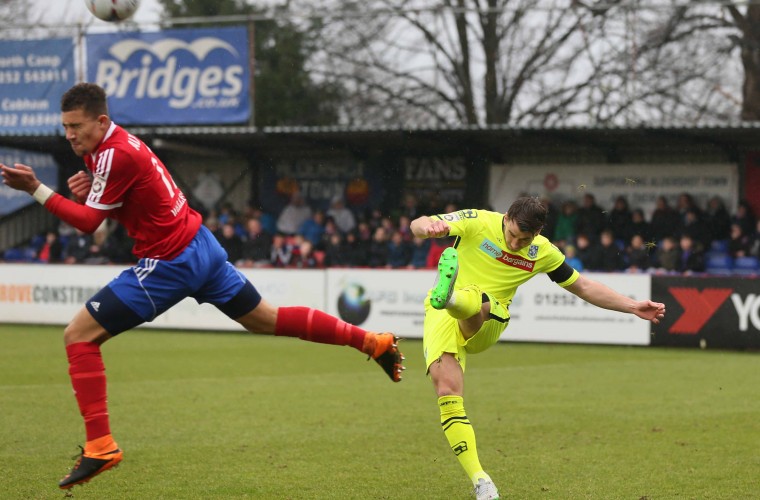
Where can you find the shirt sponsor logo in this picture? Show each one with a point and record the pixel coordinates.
(517, 261)
(454, 216)
(509, 259)
(491, 248)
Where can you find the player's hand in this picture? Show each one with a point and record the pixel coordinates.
(437, 229)
(651, 311)
(79, 185)
(19, 177)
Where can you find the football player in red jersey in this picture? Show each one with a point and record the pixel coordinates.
(178, 258)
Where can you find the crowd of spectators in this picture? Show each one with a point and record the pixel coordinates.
(684, 238)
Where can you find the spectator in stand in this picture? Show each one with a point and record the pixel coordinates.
(117, 247)
(357, 250)
(754, 240)
(738, 244)
(336, 254)
(589, 252)
(343, 216)
(571, 257)
(226, 213)
(387, 224)
(591, 218)
(686, 203)
(745, 217)
(665, 220)
(364, 232)
(620, 220)
(51, 250)
(268, 221)
(231, 242)
(293, 215)
(212, 224)
(378, 248)
(403, 227)
(692, 256)
(257, 245)
(305, 258)
(717, 219)
(567, 221)
(552, 214)
(612, 257)
(399, 251)
(313, 228)
(696, 228)
(420, 251)
(330, 229)
(639, 255)
(79, 248)
(640, 226)
(668, 255)
(410, 206)
(374, 221)
(281, 254)
(433, 203)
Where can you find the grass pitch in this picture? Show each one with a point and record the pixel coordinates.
(228, 416)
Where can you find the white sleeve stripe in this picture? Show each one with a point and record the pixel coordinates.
(101, 206)
(102, 170)
(104, 162)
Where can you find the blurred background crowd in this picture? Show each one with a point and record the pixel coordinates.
(680, 238)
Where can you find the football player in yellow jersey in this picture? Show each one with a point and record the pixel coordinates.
(468, 308)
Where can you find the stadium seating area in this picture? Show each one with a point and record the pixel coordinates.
(617, 239)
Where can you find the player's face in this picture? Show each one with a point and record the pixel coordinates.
(83, 131)
(516, 240)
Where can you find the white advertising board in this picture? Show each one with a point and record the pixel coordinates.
(375, 299)
(639, 184)
(380, 300)
(543, 312)
(52, 294)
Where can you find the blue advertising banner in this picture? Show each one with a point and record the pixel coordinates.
(33, 76)
(44, 167)
(186, 77)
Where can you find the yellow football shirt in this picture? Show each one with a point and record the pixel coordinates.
(485, 261)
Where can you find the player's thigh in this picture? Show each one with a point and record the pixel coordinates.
(492, 328)
(441, 334)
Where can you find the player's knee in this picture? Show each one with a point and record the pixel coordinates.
(73, 335)
(262, 319)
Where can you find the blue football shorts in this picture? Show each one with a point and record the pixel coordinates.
(151, 287)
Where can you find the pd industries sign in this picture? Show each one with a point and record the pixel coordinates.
(712, 312)
(193, 76)
(33, 76)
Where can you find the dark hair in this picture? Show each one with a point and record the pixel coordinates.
(88, 97)
(529, 213)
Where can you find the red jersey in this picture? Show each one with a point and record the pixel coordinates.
(132, 184)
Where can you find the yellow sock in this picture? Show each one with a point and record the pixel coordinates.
(460, 435)
(465, 303)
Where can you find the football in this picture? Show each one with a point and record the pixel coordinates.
(112, 10)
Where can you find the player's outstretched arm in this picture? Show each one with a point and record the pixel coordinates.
(605, 297)
(22, 178)
(427, 227)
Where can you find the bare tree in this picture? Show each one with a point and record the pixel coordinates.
(527, 62)
(748, 24)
